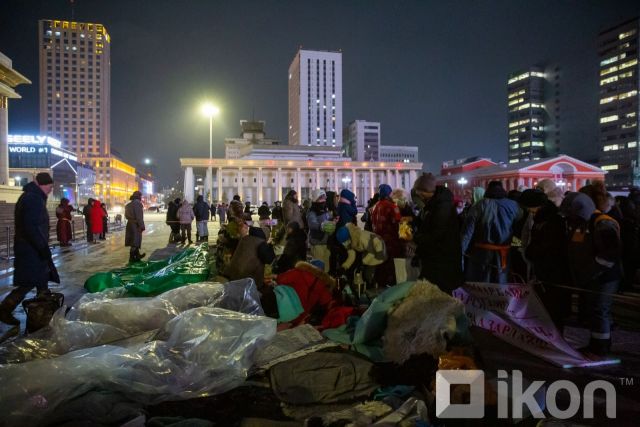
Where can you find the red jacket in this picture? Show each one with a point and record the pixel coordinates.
(385, 219)
(311, 286)
(95, 217)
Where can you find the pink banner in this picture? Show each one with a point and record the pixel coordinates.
(514, 313)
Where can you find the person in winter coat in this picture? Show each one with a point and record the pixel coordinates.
(346, 209)
(385, 220)
(486, 236)
(248, 213)
(134, 214)
(437, 238)
(295, 248)
(332, 204)
(172, 220)
(366, 216)
(594, 249)
(316, 217)
(213, 208)
(105, 222)
(96, 220)
(222, 212)
(86, 212)
(201, 212)
(630, 235)
(277, 213)
(264, 212)
(63, 226)
(33, 265)
(185, 216)
(250, 256)
(291, 209)
(356, 241)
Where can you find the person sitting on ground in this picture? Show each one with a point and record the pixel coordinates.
(295, 248)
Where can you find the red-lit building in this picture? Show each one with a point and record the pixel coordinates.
(568, 173)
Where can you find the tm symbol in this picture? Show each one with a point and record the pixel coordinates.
(626, 381)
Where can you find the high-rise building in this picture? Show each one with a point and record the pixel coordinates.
(533, 99)
(362, 140)
(75, 85)
(618, 114)
(315, 98)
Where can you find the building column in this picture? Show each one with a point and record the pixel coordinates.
(298, 184)
(208, 185)
(279, 185)
(529, 182)
(371, 190)
(4, 143)
(318, 184)
(388, 181)
(260, 195)
(335, 180)
(188, 184)
(354, 179)
(574, 184)
(240, 183)
(219, 179)
(397, 179)
(412, 177)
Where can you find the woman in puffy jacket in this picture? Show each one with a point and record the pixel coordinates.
(185, 216)
(96, 214)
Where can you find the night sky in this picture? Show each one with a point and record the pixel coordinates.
(433, 73)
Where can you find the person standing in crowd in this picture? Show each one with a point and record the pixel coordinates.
(172, 220)
(346, 210)
(235, 211)
(264, 213)
(366, 216)
(248, 213)
(134, 214)
(33, 264)
(385, 220)
(86, 212)
(295, 248)
(594, 249)
(438, 235)
(63, 226)
(222, 212)
(96, 215)
(332, 204)
(306, 205)
(486, 236)
(185, 216)
(317, 216)
(291, 210)
(105, 222)
(201, 211)
(213, 211)
(277, 213)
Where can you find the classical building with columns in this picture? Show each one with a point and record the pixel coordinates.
(259, 169)
(568, 173)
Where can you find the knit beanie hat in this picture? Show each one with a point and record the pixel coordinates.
(384, 190)
(316, 194)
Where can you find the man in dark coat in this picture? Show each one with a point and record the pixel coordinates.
(33, 265)
(86, 211)
(172, 220)
(201, 211)
(438, 236)
(133, 213)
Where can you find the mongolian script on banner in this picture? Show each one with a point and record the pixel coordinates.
(515, 314)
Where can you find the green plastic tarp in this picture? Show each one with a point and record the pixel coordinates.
(150, 278)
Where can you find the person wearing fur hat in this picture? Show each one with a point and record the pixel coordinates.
(385, 220)
(316, 217)
(486, 236)
(134, 214)
(437, 237)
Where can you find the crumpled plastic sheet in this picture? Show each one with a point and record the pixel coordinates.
(203, 351)
(106, 317)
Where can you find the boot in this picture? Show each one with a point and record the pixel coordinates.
(138, 255)
(132, 257)
(6, 310)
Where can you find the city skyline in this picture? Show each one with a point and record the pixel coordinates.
(434, 77)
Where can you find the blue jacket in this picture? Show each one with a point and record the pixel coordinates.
(201, 210)
(490, 221)
(346, 210)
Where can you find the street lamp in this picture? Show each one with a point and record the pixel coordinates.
(462, 181)
(147, 161)
(210, 110)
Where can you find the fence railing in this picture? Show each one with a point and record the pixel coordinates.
(78, 233)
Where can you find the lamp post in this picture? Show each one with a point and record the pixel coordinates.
(210, 110)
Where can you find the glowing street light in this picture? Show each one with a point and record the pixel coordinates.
(147, 161)
(462, 181)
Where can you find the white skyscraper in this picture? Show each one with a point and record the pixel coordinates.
(362, 140)
(315, 98)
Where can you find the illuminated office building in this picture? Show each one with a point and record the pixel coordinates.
(534, 114)
(618, 104)
(315, 98)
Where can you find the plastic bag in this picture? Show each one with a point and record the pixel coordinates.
(204, 351)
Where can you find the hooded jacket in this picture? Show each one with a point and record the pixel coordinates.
(249, 257)
(346, 210)
(491, 220)
(201, 209)
(185, 213)
(96, 214)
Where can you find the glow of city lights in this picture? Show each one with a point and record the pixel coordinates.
(209, 110)
(147, 161)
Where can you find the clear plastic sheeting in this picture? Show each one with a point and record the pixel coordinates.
(203, 351)
(108, 317)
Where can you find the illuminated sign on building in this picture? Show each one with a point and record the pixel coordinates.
(34, 139)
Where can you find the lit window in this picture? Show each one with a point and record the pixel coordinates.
(515, 101)
(537, 74)
(608, 80)
(609, 60)
(628, 94)
(609, 167)
(632, 144)
(526, 144)
(608, 100)
(513, 161)
(625, 35)
(612, 147)
(608, 70)
(629, 64)
(537, 144)
(609, 118)
(514, 146)
(517, 78)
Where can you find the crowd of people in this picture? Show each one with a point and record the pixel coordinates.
(585, 242)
